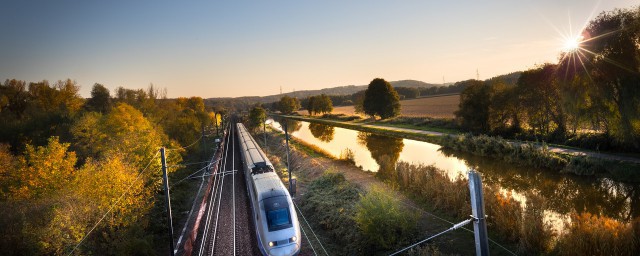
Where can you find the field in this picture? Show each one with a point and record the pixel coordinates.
(438, 106)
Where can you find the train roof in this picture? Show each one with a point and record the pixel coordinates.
(254, 154)
(268, 185)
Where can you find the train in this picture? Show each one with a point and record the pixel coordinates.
(274, 215)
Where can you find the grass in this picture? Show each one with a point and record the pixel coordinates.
(533, 155)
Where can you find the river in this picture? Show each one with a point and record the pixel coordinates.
(563, 193)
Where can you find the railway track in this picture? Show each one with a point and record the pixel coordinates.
(227, 228)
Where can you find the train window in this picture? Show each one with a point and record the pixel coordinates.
(277, 210)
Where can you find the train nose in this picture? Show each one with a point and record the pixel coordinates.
(291, 249)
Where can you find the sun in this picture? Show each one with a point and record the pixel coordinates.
(572, 44)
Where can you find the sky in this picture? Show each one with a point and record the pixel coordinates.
(254, 48)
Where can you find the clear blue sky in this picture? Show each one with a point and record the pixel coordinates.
(245, 48)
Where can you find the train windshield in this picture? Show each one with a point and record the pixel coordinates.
(278, 216)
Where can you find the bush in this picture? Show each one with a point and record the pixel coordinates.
(330, 201)
(382, 220)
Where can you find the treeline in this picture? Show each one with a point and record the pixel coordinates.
(67, 161)
(591, 98)
(404, 93)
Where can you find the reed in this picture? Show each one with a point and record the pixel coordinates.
(590, 234)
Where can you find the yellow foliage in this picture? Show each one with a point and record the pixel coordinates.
(43, 170)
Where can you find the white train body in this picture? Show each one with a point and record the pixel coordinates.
(274, 215)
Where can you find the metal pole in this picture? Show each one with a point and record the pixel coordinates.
(286, 137)
(477, 207)
(264, 125)
(165, 182)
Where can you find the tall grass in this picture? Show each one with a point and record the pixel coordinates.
(587, 234)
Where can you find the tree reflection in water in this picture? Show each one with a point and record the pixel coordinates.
(384, 150)
(562, 192)
(322, 132)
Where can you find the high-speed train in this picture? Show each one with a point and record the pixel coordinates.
(274, 215)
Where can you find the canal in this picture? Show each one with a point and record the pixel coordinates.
(563, 193)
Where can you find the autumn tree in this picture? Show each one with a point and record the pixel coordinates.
(380, 99)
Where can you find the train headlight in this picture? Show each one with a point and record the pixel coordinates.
(272, 244)
(293, 239)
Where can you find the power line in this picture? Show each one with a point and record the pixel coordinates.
(185, 147)
(115, 203)
(456, 226)
(314, 233)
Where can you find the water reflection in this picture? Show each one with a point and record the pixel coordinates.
(322, 132)
(562, 193)
(384, 150)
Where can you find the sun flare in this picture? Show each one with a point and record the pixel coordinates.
(572, 44)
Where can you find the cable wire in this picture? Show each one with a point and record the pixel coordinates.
(114, 204)
(314, 233)
(456, 226)
(185, 147)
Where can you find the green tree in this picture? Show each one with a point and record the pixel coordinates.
(100, 100)
(610, 57)
(539, 93)
(380, 99)
(473, 110)
(257, 116)
(288, 105)
(311, 105)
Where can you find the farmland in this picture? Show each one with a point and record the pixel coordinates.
(437, 106)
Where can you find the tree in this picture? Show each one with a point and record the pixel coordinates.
(539, 93)
(42, 170)
(100, 100)
(311, 105)
(610, 57)
(257, 116)
(473, 110)
(288, 105)
(381, 99)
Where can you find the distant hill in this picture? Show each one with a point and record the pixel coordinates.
(424, 88)
(340, 90)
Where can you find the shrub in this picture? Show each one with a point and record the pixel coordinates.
(382, 220)
(330, 201)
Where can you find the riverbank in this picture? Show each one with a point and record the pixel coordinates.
(524, 226)
(579, 162)
(310, 164)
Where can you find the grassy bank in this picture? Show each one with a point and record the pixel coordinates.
(533, 155)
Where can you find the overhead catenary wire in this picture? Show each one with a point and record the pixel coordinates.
(114, 204)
